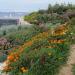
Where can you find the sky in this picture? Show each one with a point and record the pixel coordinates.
(28, 5)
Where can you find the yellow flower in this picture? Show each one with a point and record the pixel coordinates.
(24, 69)
(49, 53)
(49, 46)
(60, 58)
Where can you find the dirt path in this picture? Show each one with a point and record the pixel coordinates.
(66, 70)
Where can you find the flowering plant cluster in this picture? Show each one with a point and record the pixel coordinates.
(45, 51)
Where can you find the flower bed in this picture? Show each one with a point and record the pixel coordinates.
(43, 54)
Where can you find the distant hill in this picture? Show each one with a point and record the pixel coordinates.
(13, 14)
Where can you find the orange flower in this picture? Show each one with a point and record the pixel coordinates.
(10, 57)
(60, 41)
(13, 57)
(56, 41)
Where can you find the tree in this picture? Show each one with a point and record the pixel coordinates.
(55, 8)
(50, 9)
(59, 8)
(42, 11)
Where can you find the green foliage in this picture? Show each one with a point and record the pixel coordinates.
(40, 59)
(2, 57)
(4, 33)
(31, 17)
(49, 65)
(44, 16)
(40, 62)
(50, 9)
(72, 30)
(21, 36)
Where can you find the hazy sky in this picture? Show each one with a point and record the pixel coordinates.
(28, 5)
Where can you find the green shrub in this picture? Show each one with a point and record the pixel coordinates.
(39, 59)
(39, 52)
(3, 57)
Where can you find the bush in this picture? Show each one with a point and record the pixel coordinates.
(72, 30)
(2, 57)
(42, 54)
(20, 37)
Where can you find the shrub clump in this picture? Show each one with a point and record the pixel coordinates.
(43, 54)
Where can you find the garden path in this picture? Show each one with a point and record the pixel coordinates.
(67, 69)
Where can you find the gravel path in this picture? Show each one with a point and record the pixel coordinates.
(67, 69)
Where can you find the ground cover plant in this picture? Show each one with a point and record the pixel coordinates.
(22, 35)
(58, 13)
(9, 41)
(47, 53)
